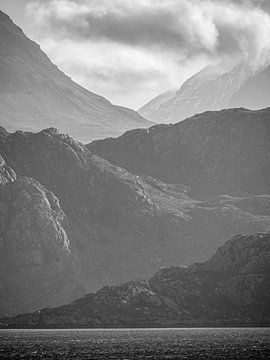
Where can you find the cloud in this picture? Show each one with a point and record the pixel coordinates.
(147, 46)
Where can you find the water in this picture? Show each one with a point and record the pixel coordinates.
(127, 344)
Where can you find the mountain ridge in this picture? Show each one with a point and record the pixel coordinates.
(225, 152)
(36, 94)
(205, 294)
(119, 225)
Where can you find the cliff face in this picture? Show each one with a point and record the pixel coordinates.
(200, 295)
(214, 153)
(209, 90)
(36, 264)
(35, 94)
(121, 226)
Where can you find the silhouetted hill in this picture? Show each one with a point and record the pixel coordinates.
(232, 288)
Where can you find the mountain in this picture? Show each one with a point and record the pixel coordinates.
(37, 267)
(232, 288)
(255, 93)
(35, 94)
(76, 219)
(226, 152)
(210, 89)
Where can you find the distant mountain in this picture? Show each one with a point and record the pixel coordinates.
(230, 289)
(71, 221)
(255, 93)
(35, 94)
(210, 89)
(226, 152)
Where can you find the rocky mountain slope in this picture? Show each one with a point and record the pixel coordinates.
(119, 226)
(255, 93)
(36, 264)
(232, 288)
(210, 89)
(226, 152)
(35, 94)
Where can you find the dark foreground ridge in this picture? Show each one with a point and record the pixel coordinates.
(230, 289)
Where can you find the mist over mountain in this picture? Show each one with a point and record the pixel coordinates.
(255, 93)
(35, 94)
(209, 90)
(148, 199)
(231, 288)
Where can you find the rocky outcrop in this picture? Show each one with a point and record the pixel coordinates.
(226, 152)
(209, 90)
(35, 94)
(36, 263)
(232, 289)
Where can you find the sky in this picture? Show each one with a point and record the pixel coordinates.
(133, 50)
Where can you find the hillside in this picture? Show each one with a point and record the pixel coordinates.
(209, 90)
(118, 226)
(35, 94)
(230, 289)
(255, 93)
(226, 152)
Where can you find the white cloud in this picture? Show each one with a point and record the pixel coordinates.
(131, 50)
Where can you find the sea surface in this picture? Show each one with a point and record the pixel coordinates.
(127, 344)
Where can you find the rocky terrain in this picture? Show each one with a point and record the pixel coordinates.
(209, 90)
(36, 264)
(86, 223)
(225, 152)
(231, 288)
(255, 93)
(35, 94)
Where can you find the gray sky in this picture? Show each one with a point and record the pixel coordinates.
(132, 50)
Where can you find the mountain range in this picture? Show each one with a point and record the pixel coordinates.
(231, 288)
(35, 94)
(212, 89)
(75, 218)
(72, 222)
(225, 152)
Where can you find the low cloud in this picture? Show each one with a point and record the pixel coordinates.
(146, 46)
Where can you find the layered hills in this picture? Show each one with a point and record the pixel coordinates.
(73, 222)
(225, 152)
(231, 288)
(35, 94)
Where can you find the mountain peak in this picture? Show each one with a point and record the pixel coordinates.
(35, 93)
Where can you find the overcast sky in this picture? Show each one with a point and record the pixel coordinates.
(132, 50)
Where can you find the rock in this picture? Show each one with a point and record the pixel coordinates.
(36, 263)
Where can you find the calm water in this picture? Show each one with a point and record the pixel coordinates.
(136, 344)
